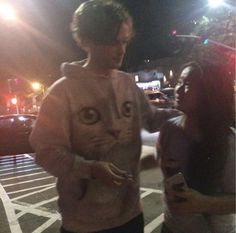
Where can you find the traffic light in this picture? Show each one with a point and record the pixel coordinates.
(205, 41)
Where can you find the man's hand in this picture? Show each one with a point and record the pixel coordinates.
(109, 174)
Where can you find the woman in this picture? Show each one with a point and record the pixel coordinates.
(200, 144)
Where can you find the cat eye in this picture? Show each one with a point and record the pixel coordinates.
(89, 116)
(127, 109)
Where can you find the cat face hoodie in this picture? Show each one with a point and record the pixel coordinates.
(75, 127)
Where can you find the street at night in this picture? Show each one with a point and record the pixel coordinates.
(81, 79)
(29, 198)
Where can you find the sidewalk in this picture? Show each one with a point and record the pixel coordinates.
(148, 150)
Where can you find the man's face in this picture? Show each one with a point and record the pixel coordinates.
(110, 56)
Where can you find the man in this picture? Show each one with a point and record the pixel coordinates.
(88, 129)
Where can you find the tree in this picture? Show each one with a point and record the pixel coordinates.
(213, 38)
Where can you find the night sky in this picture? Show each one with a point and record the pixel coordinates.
(34, 47)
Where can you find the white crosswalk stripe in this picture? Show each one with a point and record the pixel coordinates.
(34, 193)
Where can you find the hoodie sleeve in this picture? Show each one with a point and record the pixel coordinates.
(153, 117)
(51, 137)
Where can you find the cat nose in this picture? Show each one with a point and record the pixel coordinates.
(115, 132)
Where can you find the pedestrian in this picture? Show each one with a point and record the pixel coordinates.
(201, 145)
(88, 129)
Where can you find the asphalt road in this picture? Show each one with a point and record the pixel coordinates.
(29, 199)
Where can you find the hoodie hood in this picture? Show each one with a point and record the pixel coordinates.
(72, 69)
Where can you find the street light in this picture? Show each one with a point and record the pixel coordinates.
(14, 101)
(206, 41)
(215, 3)
(38, 87)
(37, 95)
(7, 12)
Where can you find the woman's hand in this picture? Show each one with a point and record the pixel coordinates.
(109, 174)
(192, 202)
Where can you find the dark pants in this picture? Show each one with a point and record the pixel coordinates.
(135, 225)
(164, 229)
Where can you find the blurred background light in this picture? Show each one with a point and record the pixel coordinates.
(7, 12)
(36, 86)
(215, 3)
(14, 100)
(206, 41)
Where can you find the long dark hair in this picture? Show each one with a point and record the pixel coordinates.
(216, 116)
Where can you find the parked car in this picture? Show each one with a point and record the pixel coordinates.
(169, 92)
(14, 133)
(160, 99)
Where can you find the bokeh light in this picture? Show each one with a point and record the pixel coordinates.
(7, 12)
(215, 3)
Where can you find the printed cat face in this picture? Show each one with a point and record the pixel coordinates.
(102, 128)
(90, 115)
